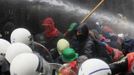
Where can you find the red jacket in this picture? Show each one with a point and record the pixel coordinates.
(71, 69)
(50, 29)
(117, 53)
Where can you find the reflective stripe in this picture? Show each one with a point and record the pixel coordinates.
(98, 70)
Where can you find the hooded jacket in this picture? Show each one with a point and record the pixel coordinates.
(88, 45)
(50, 29)
(51, 33)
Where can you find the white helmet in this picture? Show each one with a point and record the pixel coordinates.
(62, 44)
(28, 64)
(4, 44)
(16, 49)
(94, 67)
(21, 35)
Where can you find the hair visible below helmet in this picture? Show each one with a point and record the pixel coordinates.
(94, 67)
(16, 49)
(21, 35)
(4, 44)
(62, 44)
(27, 64)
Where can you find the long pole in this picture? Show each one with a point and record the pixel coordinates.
(92, 11)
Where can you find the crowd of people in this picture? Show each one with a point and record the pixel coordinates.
(84, 49)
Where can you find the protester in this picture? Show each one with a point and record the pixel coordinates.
(124, 66)
(51, 33)
(69, 57)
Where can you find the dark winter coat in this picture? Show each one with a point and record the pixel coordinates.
(128, 46)
(85, 44)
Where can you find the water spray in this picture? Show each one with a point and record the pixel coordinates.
(100, 16)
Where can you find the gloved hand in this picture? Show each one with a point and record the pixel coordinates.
(72, 27)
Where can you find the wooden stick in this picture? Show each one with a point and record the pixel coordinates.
(92, 11)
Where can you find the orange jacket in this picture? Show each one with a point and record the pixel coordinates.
(130, 58)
